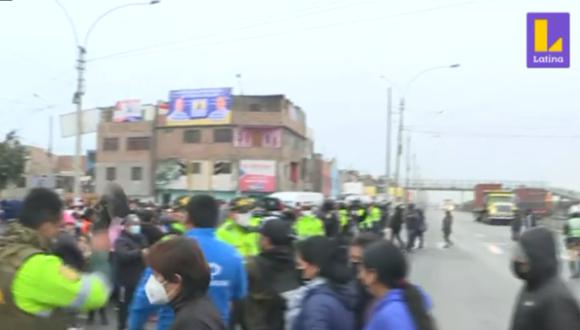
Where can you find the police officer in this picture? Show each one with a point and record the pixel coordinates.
(343, 218)
(307, 224)
(572, 233)
(35, 286)
(241, 226)
(372, 219)
(329, 217)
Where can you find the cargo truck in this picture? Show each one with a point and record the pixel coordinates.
(494, 205)
(538, 200)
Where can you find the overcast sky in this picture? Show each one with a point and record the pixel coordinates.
(492, 118)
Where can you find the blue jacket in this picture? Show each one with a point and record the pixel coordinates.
(140, 309)
(326, 308)
(392, 313)
(228, 282)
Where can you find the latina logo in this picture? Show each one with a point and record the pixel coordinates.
(548, 43)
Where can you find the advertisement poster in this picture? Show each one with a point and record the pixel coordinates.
(258, 175)
(272, 138)
(90, 118)
(246, 137)
(171, 174)
(128, 111)
(207, 106)
(243, 138)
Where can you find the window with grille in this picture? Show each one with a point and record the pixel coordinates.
(255, 107)
(138, 143)
(136, 173)
(111, 144)
(192, 136)
(195, 168)
(222, 135)
(111, 173)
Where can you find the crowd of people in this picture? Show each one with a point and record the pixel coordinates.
(247, 264)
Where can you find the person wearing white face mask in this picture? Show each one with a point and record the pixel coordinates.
(181, 277)
(130, 250)
(241, 227)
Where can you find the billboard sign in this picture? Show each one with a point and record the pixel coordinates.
(128, 111)
(90, 122)
(257, 175)
(207, 106)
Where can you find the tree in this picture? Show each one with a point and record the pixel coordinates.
(12, 160)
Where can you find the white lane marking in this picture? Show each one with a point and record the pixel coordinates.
(494, 249)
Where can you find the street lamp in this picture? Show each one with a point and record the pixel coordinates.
(388, 135)
(80, 92)
(402, 112)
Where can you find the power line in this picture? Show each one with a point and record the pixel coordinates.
(159, 47)
(304, 12)
(493, 135)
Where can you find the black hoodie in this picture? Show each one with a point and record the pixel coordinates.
(545, 303)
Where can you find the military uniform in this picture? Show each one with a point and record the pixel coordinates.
(36, 287)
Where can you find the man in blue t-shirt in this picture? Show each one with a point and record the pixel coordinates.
(228, 276)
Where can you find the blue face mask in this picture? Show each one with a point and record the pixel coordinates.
(135, 229)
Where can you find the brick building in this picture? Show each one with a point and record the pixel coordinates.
(266, 136)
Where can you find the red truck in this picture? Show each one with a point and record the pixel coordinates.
(538, 200)
(479, 194)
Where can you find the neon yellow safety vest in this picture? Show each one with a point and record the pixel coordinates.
(343, 218)
(245, 241)
(35, 287)
(308, 226)
(373, 216)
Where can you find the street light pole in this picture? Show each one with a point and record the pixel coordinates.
(402, 117)
(388, 141)
(78, 100)
(80, 92)
(399, 142)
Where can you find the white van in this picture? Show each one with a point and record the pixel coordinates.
(299, 198)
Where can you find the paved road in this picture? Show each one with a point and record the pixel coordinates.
(471, 283)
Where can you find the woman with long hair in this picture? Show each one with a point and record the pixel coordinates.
(400, 305)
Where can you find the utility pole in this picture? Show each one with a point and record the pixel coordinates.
(78, 95)
(78, 100)
(388, 141)
(399, 143)
(50, 155)
(408, 167)
(154, 151)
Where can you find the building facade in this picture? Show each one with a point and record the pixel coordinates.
(262, 148)
(124, 155)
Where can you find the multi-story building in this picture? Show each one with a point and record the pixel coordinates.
(124, 155)
(48, 170)
(261, 148)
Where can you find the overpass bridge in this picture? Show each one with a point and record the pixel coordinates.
(468, 185)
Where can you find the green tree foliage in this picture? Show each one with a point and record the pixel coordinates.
(12, 160)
